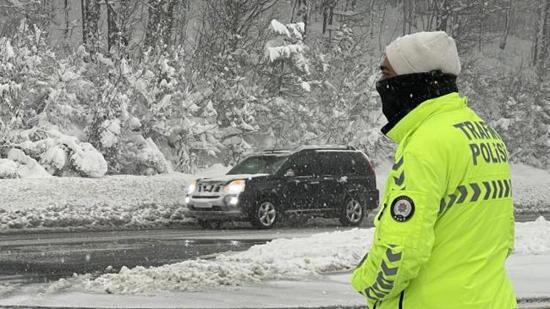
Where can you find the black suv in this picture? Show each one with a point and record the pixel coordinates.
(328, 181)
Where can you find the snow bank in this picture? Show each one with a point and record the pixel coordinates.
(6, 289)
(8, 169)
(294, 259)
(128, 201)
(27, 167)
(530, 188)
(88, 161)
(279, 259)
(112, 202)
(532, 237)
(59, 155)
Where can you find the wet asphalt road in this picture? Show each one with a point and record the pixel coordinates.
(46, 256)
(41, 257)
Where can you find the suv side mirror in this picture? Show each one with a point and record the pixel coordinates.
(289, 173)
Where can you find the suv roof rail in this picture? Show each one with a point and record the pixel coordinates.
(324, 147)
(306, 147)
(282, 150)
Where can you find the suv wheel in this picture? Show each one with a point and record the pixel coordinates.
(265, 215)
(352, 213)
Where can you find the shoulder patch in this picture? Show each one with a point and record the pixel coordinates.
(402, 208)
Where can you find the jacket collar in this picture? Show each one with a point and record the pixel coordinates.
(425, 110)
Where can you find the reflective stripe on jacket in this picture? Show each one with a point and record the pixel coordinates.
(446, 223)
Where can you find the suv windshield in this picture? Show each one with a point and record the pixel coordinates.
(258, 165)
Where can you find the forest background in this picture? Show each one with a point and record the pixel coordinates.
(96, 87)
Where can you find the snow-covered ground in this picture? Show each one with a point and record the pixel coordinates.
(113, 201)
(118, 202)
(529, 275)
(531, 188)
(297, 272)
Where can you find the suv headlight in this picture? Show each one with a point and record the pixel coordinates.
(234, 187)
(192, 187)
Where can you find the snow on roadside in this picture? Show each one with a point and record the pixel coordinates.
(113, 201)
(530, 189)
(532, 237)
(6, 289)
(295, 259)
(118, 202)
(290, 259)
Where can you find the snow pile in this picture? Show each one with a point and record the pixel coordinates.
(279, 259)
(8, 169)
(108, 202)
(59, 154)
(114, 202)
(6, 289)
(27, 167)
(530, 189)
(88, 161)
(54, 159)
(99, 216)
(532, 237)
(290, 259)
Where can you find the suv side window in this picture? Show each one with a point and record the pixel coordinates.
(347, 164)
(302, 166)
(330, 163)
(360, 163)
(344, 163)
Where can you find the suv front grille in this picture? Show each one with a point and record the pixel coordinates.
(210, 187)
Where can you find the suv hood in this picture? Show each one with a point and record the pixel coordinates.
(228, 178)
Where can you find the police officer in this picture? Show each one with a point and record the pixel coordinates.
(446, 224)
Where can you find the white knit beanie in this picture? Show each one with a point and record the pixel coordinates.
(424, 52)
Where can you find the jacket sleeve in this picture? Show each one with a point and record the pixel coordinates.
(404, 234)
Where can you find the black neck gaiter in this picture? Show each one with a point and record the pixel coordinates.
(403, 93)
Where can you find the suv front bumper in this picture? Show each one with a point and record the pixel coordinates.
(214, 208)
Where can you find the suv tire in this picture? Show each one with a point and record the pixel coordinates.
(265, 215)
(352, 213)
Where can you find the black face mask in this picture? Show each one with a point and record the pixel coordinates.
(401, 94)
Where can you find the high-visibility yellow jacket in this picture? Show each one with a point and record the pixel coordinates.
(446, 224)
